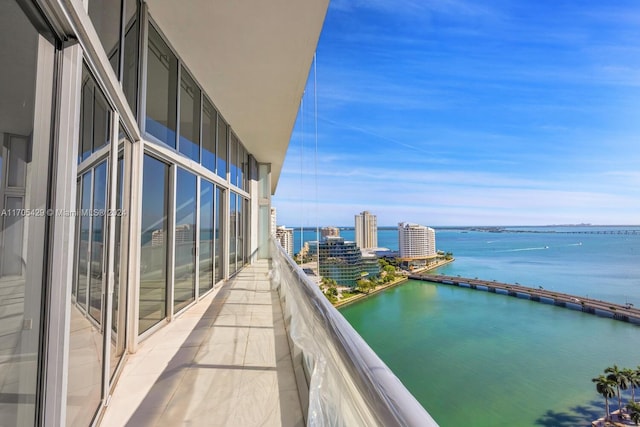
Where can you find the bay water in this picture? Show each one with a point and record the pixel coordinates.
(481, 359)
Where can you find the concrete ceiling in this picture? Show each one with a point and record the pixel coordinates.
(252, 58)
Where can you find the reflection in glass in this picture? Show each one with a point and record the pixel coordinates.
(130, 60)
(233, 216)
(95, 118)
(82, 275)
(24, 159)
(118, 304)
(217, 219)
(242, 164)
(189, 117)
(233, 159)
(96, 282)
(185, 240)
(85, 335)
(86, 118)
(221, 157)
(153, 256)
(105, 16)
(209, 118)
(206, 272)
(240, 232)
(162, 90)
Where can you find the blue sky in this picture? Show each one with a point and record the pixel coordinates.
(470, 113)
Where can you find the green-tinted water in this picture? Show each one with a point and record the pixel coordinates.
(480, 359)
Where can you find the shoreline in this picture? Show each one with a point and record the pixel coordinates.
(398, 281)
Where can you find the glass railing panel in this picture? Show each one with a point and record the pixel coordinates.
(348, 383)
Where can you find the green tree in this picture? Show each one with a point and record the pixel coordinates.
(620, 380)
(607, 389)
(633, 376)
(634, 411)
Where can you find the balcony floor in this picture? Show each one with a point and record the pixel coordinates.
(223, 362)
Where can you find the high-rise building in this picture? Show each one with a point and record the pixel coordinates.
(284, 236)
(416, 241)
(366, 230)
(329, 232)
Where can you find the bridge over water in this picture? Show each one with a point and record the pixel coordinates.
(626, 313)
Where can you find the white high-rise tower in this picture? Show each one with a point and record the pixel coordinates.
(366, 230)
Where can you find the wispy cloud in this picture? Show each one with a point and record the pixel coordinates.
(452, 112)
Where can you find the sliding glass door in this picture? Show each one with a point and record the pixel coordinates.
(154, 243)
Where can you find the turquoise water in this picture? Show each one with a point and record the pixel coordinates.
(474, 358)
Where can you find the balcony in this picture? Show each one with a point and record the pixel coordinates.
(267, 348)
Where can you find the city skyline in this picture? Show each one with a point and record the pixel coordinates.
(459, 114)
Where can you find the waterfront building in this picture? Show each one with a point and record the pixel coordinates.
(284, 236)
(342, 261)
(169, 125)
(366, 230)
(416, 245)
(329, 232)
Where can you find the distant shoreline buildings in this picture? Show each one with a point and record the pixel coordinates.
(284, 236)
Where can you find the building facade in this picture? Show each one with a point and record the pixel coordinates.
(366, 230)
(329, 232)
(284, 236)
(416, 241)
(141, 144)
(342, 261)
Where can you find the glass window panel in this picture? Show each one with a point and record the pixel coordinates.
(153, 257)
(105, 16)
(24, 155)
(243, 167)
(86, 119)
(162, 86)
(17, 166)
(207, 190)
(95, 118)
(86, 340)
(240, 226)
(233, 159)
(82, 274)
(209, 118)
(189, 117)
(13, 238)
(130, 60)
(119, 295)
(96, 268)
(221, 158)
(185, 240)
(218, 217)
(233, 214)
(101, 121)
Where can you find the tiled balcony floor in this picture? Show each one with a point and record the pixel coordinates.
(224, 362)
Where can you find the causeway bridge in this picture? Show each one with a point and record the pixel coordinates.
(625, 313)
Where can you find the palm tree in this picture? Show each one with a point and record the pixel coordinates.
(620, 380)
(605, 387)
(634, 411)
(633, 376)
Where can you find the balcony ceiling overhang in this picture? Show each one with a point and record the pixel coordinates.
(252, 58)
